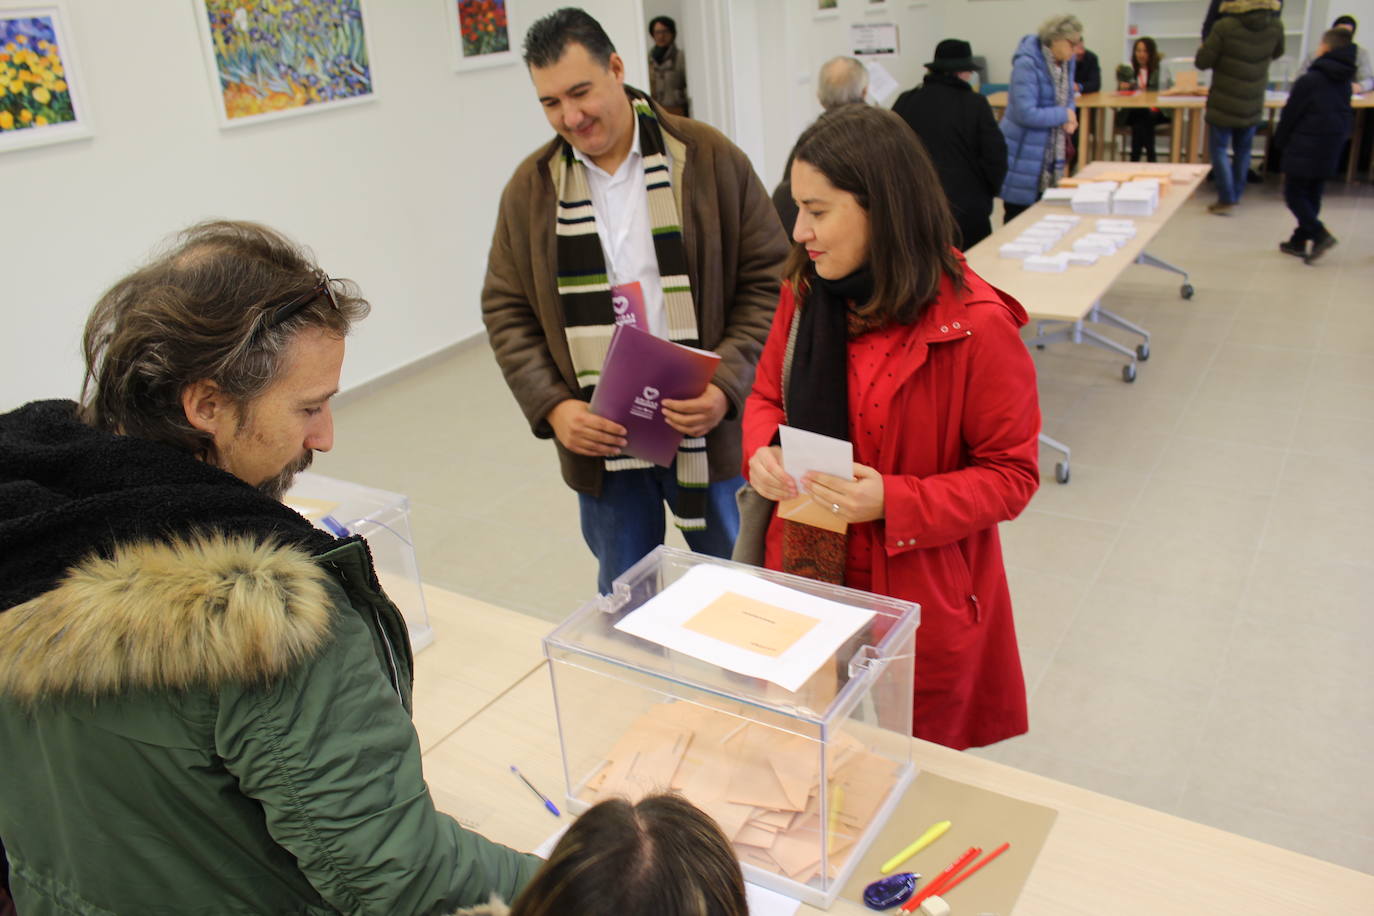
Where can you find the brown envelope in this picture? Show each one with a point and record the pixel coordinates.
(806, 510)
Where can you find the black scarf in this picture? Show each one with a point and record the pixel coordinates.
(68, 491)
(658, 52)
(818, 393)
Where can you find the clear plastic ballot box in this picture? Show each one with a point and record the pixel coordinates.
(383, 518)
(801, 780)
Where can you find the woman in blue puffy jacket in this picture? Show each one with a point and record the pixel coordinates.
(1040, 112)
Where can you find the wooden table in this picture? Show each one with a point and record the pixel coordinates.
(1103, 856)
(1186, 113)
(1062, 303)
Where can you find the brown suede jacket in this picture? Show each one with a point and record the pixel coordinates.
(735, 251)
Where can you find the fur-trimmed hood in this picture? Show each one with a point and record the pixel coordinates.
(127, 564)
(166, 616)
(1241, 7)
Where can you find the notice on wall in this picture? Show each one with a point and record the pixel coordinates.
(873, 39)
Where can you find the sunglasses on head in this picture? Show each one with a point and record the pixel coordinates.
(280, 314)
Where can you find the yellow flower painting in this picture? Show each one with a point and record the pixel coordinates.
(38, 103)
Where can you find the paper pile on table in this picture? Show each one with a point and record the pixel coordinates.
(762, 785)
(1047, 263)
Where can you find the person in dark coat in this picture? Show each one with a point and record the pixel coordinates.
(1312, 130)
(1087, 71)
(1237, 51)
(960, 132)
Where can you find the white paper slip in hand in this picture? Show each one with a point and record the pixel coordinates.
(803, 450)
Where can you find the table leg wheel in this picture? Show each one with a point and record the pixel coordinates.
(1186, 291)
(1142, 351)
(1061, 471)
(1128, 372)
(1039, 346)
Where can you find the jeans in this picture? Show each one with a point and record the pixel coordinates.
(1304, 199)
(1230, 151)
(627, 520)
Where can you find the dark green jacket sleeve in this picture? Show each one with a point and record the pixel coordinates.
(333, 758)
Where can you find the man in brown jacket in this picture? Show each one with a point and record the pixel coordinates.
(630, 215)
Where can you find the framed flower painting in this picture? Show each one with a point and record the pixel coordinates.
(482, 33)
(40, 94)
(274, 60)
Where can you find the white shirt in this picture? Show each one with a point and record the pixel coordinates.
(621, 204)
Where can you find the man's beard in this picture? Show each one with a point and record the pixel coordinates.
(276, 486)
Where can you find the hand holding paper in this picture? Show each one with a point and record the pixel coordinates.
(859, 500)
(767, 475)
(803, 453)
(584, 433)
(697, 416)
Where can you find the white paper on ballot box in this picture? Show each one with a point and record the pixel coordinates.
(661, 620)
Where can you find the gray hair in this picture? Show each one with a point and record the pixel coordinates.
(843, 81)
(1064, 25)
(205, 309)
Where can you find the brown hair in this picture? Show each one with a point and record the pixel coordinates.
(1337, 38)
(1151, 58)
(205, 309)
(662, 856)
(872, 154)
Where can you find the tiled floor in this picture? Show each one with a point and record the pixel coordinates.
(1196, 608)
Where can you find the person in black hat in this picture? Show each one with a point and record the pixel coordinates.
(959, 131)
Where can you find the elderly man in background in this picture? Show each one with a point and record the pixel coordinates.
(204, 700)
(842, 81)
(960, 132)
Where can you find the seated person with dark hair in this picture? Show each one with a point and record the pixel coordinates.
(662, 856)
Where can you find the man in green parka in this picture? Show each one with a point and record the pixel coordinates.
(1238, 49)
(205, 701)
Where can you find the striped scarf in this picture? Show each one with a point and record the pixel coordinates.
(585, 291)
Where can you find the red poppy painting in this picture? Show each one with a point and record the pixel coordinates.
(482, 32)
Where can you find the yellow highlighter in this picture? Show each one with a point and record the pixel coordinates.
(930, 836)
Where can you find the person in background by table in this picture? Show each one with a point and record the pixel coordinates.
(1147, 72)
(662, 856)
(667, 67)
(1087, 71)
(1246, 37)
(1040, 113)
(1312, 130)
(960, 133)
(1364, 71)
(902, 350)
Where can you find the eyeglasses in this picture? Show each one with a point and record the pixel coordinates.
(280, 314)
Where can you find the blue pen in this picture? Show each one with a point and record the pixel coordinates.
(553, 809)
(334, 526)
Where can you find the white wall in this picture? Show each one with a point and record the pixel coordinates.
(792, 44)
(994, 27)
(399, 194)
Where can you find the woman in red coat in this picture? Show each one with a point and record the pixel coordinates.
(901, 349)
